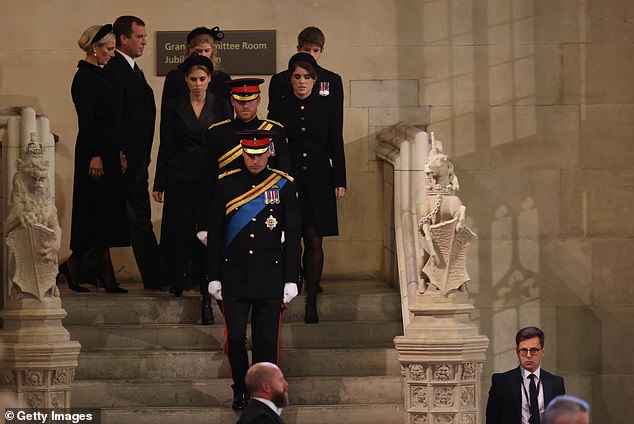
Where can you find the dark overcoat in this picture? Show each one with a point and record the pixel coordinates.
(99, 215)
(314, 128)
(179, 168)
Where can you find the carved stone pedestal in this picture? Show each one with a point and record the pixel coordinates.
(441, 356)
(38, 359)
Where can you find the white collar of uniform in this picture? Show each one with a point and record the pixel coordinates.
(127, 58)
(270, 404)
(526, 373)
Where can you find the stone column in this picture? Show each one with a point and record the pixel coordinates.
(441, 356)
(441, 352)
(37, 357)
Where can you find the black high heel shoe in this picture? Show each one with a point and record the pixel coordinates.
(111, 286)
(206, 311)
(65, 272)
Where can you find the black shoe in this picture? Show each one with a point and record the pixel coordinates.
(176, 291)
(65, 271)
(115, 289)
(240, 401)
(320, 289)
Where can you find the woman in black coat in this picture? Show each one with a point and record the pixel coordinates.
(179, 169)
(99, 219)
(314, 129)
(200, 40)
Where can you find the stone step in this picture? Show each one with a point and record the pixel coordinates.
(379, 302)
(217, 392)
(209, 337)
(385, 413)
(158, 365)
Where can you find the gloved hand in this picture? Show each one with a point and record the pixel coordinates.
(202, 236)
(215, 289)
(290, 291)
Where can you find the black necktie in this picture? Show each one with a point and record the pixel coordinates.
(534, 405)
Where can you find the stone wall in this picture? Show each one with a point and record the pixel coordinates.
(533, 100)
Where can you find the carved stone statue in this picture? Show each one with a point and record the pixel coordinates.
(442, 224)
(33, 232)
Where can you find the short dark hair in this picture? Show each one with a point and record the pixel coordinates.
(564, 406)
(123, 26)
(311, 35)
(528, 333)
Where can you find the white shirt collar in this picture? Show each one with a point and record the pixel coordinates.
(526, 373)
(270, 404)
(127, 58)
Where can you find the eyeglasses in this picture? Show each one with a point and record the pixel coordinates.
(533, 350)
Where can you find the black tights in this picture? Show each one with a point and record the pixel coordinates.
(312, 259)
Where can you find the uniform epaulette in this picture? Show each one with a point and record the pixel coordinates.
(274, 122)
(224, 174)
(219, 123)
(283, 174)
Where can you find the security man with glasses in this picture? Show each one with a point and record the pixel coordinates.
(253, 254)
(520, 395)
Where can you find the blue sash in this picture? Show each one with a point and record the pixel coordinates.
(246, 213)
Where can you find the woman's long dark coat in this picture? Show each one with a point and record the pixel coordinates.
(99, 218)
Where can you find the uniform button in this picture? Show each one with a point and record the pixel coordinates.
(253, 219)
(302, 118)
(250, 252)
(303, 129)
(304, 168)
(302, 107)
(305, 154)
(252, 235)
(277, 262)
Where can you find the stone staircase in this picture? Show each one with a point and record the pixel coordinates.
(146, 359)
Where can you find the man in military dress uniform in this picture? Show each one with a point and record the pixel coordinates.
(224, 149)
(253, 255)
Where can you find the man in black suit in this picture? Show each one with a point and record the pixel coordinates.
(135, 114)
(519, 396)
(253, 255)
(269, 394)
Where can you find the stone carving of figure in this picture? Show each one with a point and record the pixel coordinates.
(442, 225)
(33, 232)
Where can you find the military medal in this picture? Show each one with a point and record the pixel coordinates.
(272, 149)
(271, 222)
(324, 88)
(271, 197)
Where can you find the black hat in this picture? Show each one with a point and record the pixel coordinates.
(245, 89)
(214, 33)
(196, 59)
(255, 142)
(302, 57)
(105, 29)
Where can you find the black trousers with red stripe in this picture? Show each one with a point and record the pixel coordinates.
(266, 316)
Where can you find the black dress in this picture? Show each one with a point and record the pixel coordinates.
(314, 129)
(99, 217)
(179, 168)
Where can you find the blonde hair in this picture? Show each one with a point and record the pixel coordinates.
(205, 39)
(85, 41)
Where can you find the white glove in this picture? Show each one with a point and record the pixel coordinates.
(202, 236)
(290, 291)
(215, 289)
